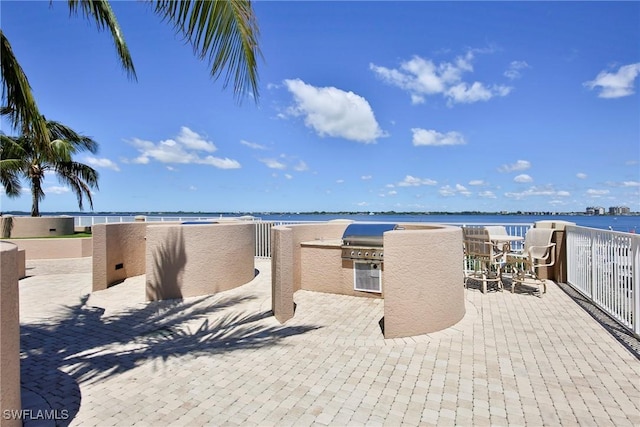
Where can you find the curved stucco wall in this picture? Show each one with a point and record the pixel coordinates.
(9, 334)
(286, 271)
(119, 251)
(423, 280)
(41, 226)
(77, 247)
(191, 260)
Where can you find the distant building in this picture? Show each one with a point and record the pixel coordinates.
(619, 210)
(595, 210)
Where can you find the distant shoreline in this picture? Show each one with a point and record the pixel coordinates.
(372, 213)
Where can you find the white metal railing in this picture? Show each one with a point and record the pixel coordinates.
(605, 267)
(263, 227)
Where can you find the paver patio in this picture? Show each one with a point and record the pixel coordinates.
(109, 358)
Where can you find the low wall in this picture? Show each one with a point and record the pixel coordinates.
(423, 280)
(422, 273)
(318, 272)
(198, 259)
(9, 334)
(71, 247)
(119, 251)
(40, 226)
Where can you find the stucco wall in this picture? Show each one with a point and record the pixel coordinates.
(191, 260)
(119, 251)
(282, 273)
(73, 247)
(319, 273)
(43, 226)
(422, 276)
(304, 232)
(9, 334)
(423, 280)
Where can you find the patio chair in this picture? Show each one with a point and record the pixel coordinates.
(538, 251)
(482, 261)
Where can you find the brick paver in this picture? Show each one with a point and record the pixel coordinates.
(109, 358)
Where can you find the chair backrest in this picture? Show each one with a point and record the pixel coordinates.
(496, 230)
(476, 241)
(537, 242)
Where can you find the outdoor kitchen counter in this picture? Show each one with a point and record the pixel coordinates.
(322, 269)
(329, 243)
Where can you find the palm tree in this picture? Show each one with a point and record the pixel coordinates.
(22, 158)
(224, 32)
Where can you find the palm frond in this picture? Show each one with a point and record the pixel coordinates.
(19, 103)
(80, 142)
(225, 32)
(80, 178)
(100, 11)
(10, 170)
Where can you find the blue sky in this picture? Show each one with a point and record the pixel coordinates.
(364, 106)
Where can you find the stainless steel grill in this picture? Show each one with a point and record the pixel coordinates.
(363, 241)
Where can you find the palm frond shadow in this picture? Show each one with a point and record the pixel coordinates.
(84, 345)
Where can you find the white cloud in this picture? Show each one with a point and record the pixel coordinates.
(523, 178)
(366, 177)
(288, 176)
(631, 184)
(434, 138)
(477, 182)
(56, 190)
(273, 164)
(422, 77)
(410, 181)
(192, 141)
(220, 163)
(615, 84)
(447, 190)
(487, 194)
(334, 112)
(597, 193)
(253, 145)
(581, 175)
(301, 166)
(548, 191)
(102, 163)
(513, 72)
(185, 149)
(520, 165)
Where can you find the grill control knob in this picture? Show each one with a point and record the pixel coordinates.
(359, 253)
(366, 254)
(353, 253)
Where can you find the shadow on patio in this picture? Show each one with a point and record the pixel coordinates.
(84, 345)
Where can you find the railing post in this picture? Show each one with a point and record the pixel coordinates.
(635, 250)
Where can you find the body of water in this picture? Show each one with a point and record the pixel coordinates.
(624, 223)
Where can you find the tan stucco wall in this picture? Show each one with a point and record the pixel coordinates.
(21, 261)
(319, 273)
(191, 260)
(55, 248)
(422, 277)
(9, 334)
(43, 226)
(305, 232)
(119, 251)
(282, 273)
(423, 280)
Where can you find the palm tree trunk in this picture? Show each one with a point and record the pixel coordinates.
(35, 196)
